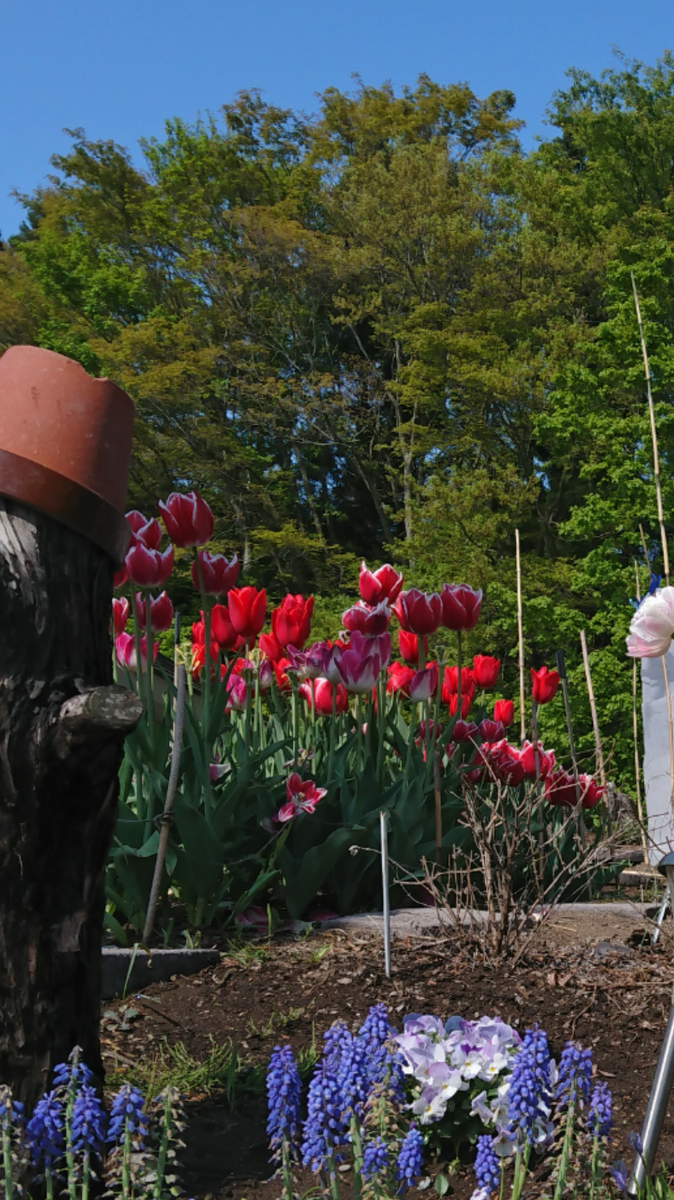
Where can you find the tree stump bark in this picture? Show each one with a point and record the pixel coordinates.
(62, 726)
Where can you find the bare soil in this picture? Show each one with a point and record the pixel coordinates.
(590, 976)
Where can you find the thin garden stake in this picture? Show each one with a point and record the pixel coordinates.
(635, 731)
(437, 795)
(593, 710)
(582, 832)
(386, 906)
(520, 636)
(654, 436)
(167, 815)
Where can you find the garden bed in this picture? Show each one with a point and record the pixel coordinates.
(587, 976)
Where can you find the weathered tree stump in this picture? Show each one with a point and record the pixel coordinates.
(62, 726)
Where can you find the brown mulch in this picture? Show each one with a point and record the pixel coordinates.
(581, 979)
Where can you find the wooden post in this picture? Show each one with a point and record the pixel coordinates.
(520, 637)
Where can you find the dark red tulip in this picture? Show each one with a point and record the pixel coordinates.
(161, 612)
(464, 731)
(419, 612)
(490, 731)
(188, 519)
(148, 568)
(362, 618)
(460, 606)
(217, 574)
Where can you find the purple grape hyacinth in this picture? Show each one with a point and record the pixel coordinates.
(600, 1115)
(487, 1165)
(87, 1128)
(575, 1071)
(410, 1161)
(45, 1130)
(375, 1158)
(127, 1116)
(529, 1083)
(283, 1103)
(323, 1128)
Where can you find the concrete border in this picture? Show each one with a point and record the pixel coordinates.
(158, 965)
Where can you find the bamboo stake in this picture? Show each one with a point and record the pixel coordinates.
(520, 636)
(593, 710)
(654, 436)
(635, 731)
(167, 815)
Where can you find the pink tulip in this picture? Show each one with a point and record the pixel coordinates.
(419, 612)
(120, 614)
(148, 568)
(265, 674)
(188, 519)
(125, 649)
(217, 574)
(301, 797)
(236, 694)
(382, 584)
(307, 664)
(331, 657)
(161, 612)
(364, 644)
(424, 684)
(358, 672)
(361, 618)
(216, 770)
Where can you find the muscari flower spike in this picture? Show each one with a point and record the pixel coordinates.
(487, 1165)
(575, 1071)
(323, 1128)
(375, 1158)
(599, 1118)
(283, 1102)
(87, 1128)
(127, 1115)
(409, 1164)
(44, 1131)
(529, 1083)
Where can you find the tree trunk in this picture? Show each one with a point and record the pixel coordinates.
(62, 727)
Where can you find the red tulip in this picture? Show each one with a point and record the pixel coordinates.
(424, 684)
(323, 694)
(450, 683)
(408, 645)
(188, 519)
(217, 574)
(301, 797)
(485, 670)
(125, 649)
(361, 618)
(544, 684)
(464, 731)
(466, 702)
(291, 621)
(199, 656)
(560, 789)
(120, 614)
(504, 762)
(383, 584)
(546, 761)
(504, 711)
(280, 667)
(247, 611)
(490, 731)
(142, 530)
(460, 606)
(161, 612)
(419, 612)
(590, 792)
(148, 568)
(222, 630)
(399, 678)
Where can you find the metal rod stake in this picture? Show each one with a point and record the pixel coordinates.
(662, 1086)
(383, 831)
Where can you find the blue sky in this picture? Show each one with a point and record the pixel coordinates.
(119, 68)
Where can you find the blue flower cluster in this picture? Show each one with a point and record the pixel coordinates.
(529, 1083)
(575, 1072)
(283, 1101)
(128, 1116)
(353, 1071)
(45, 1130)
(487, 1164)
(600, 1115)
(87, 1129)
(375, 1158)
(410, 1161)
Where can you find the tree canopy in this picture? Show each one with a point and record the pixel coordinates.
(388, 331)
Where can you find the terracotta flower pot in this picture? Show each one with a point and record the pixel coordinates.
(65, 443)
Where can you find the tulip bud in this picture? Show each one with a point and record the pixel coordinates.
(217, 574)
(408, 645)
(418, 612)
(424, 684)
(120, 614)
(382, 585)
(544, 684)
(148, 568)
(142, 530)
(504, 711)
(247, 611)
(291, 621)
(464, 731)
(485, 670)
(460, 606)
(370, 622)
(161, 612)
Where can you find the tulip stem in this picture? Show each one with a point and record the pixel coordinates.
(206, 613)
(149, 656)
(458, 675)
(333, 730)
(136, 643)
